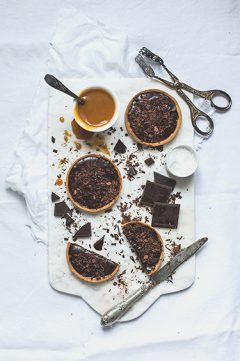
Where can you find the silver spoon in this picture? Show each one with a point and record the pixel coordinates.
(55, 83)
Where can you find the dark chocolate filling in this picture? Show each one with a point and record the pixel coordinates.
(145, 243)
(152, 116)
(90, 264)
(93, 182)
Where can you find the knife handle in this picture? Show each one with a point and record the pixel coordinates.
(117, 311)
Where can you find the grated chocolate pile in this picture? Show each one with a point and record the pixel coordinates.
(145, 243)
(152, 116)
(94, 182)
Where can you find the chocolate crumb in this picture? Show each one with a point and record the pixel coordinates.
(69, 221)
(53, 140)
(131, 172)
(149, 161)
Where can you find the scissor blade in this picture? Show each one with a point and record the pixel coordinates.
(148, 70)
(181, 257)
(150, 55)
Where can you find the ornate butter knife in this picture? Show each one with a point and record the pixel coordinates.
(121, 308)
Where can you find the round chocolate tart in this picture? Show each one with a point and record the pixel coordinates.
(93, 183)
(88, 265)
(147, 244)
(153, 117)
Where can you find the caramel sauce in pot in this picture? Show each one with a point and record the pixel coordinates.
(98, 109)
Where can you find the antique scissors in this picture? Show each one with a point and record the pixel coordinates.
(209, 95)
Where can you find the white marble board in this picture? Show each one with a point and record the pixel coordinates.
(103, 296)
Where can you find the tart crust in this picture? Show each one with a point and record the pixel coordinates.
(164, 141)
(155, 269)
(105, 207)
(88, 279)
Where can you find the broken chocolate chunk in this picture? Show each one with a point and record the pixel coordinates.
(98, 245)
(89, 265)
(154, 192)
(84, 231)
(149, 161)
(163, 180)
(69, 221)
(53, 140)
(165, 215)
(120, 147)
(61, 209)
(54, 197)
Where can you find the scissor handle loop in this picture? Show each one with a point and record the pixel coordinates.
(199, 114)
(223, 94)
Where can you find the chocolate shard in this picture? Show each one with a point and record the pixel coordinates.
(165, 215)
(163, 180)
(84, 231)
(154, 192)
(98, 245)
(61, 209)
(54, 197)
(69, 220)
(53, 139)
(120, 147)
(149, 161)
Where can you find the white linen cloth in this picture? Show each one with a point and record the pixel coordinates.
(200, 42)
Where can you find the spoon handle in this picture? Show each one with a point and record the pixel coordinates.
(55, 83)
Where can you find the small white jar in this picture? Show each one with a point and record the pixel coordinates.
(181, 161)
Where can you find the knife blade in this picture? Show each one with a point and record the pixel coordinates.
(117, 311)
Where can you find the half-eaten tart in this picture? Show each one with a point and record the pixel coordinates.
(89, 266)
(147, 244)
(153, 117)
(93, 183)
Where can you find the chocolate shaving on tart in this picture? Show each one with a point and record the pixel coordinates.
(149, 161)
(84, 231)
(94, 182)
(163, 180)
(89, 265)
(54, 197)
(154, 192)
(61, 209)
(98, 245)
(120, 147)
(165, 215)
(152, 116)
(146, 243)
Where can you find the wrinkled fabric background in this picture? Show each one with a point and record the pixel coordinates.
(200, 42)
